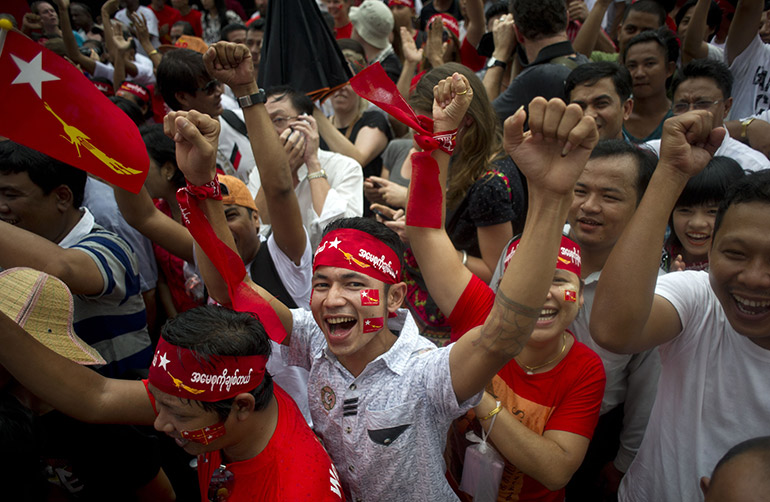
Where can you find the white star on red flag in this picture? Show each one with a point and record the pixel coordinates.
(32, 73)
(163, 361)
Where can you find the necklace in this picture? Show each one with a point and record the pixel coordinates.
(531, 369)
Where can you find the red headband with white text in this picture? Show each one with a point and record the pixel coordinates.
(183, 373)
(360, 252)
(568, 259)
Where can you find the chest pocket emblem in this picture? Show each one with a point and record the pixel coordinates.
(386, 437)
(328, 398)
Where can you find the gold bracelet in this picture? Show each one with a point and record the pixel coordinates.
(493, 412)
(745, 128)
(152, 52)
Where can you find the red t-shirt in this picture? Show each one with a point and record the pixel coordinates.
(566, 398)
(167, 17)
(343, 31)
(294, 465)
(194, 18)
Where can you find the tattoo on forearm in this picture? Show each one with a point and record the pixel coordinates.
(508, 326)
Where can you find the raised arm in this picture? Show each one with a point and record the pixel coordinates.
(369, 143)
(412, 58)
(589, 33)
(743, 29)
(70, 44)
(231, 63)
(22, 248)
(139, 211)
(475, 24)
(70, 388)
(504, 35)
(632, 319)
(445, 275)
(551, 155)
(694, 45)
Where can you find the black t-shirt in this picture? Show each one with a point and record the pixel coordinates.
(498, 196)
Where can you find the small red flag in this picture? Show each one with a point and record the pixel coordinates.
(373, 324)
(53, 108)
(370, 297)
(570, 296)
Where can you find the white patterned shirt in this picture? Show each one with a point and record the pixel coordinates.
(386, 429)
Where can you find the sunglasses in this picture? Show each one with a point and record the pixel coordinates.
(210, 87)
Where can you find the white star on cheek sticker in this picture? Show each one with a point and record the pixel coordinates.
(163, 361)
(364, 294)
(32, 73)
(368, 323)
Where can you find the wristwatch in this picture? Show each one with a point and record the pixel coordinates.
(252, 99)
(317, 174)
(496, 62)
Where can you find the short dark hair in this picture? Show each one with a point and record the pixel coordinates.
(299, 100)
(754, 187)
(44, 171)
(707, 68)
(162, 149)
(536, 19)
(187, 28)
(215, 331)
(374, 228)
(645, 160)
(130, 108)
(759, 446)
(257, 25)
(713, 18)
(590, 73)
(664, 37)
(496, 9)
(180, 70)
(231, 28)
(649, 7)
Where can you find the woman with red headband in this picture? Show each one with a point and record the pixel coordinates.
(545, 403)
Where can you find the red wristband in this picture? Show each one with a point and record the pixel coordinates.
(446, 141)
(208, 190)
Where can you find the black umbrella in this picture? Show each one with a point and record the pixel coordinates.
(299, 50)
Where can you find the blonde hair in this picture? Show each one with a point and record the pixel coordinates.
(481, 141)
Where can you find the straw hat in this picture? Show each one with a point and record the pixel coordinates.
(42, 305)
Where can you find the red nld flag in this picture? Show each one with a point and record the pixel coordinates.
(53, 108)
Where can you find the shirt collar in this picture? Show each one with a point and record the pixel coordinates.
(553, 51)
(81, 229)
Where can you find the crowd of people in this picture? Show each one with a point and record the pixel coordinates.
(545, 276)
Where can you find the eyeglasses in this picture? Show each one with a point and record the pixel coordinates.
(281, 122)
(684, 107)
(210, 87)
(221, 485)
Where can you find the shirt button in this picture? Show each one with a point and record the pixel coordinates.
(351, 469)
(352, 386)
(387, 441)
(348, 430)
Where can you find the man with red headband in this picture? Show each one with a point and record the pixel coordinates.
(381, 396)
(207, 389)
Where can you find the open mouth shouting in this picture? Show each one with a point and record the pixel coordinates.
(340, 326)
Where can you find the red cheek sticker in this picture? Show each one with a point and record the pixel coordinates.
(373, 324)
(570, 296)
(370, 297)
